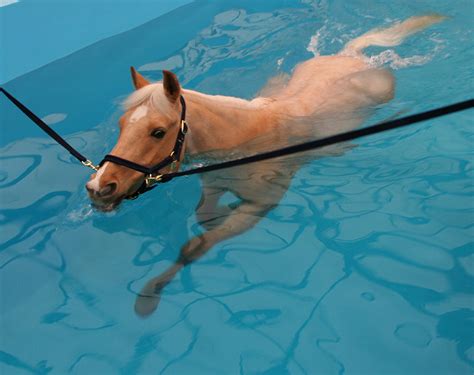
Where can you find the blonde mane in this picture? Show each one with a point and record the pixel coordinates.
(153, 94)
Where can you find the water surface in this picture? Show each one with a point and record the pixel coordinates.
(365, 266)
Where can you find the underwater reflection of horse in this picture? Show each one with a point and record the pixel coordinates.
(333, 93)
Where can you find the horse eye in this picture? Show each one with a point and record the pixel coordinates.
(158, 133)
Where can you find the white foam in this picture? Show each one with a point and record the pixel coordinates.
(80, 214)
(391, 58)
(313, 44)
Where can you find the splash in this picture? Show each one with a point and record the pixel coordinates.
(331, 35)
(334, 34)
(313, 43)
(80, 214)
(395, 61)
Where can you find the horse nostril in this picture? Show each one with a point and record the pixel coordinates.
(108, 189)
(90, 189)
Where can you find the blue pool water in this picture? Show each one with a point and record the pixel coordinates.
(35, 32)
(365, 266)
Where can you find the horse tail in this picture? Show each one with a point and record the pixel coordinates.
(391, 36)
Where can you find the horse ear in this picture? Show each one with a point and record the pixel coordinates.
(138, 80)
(171, 85)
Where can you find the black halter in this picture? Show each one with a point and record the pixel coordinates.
(152, 173)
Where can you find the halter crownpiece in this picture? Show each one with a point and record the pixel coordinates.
(152, 173)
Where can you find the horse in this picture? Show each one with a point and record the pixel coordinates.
(335, 93)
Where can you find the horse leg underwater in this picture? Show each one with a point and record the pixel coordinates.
(256, 196)
(353, 85)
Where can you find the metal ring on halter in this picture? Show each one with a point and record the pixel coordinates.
(89, 164)
(151, 180)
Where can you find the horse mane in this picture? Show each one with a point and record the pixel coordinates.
(150, 94)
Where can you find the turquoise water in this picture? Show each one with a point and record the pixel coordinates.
(365, 266)
(36, 32)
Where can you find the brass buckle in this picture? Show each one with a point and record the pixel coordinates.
(183, 126)
(89, 164)
(151, 180)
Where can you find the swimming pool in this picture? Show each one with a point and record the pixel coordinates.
(365, 266)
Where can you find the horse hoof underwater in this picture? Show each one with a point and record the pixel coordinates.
(324, 96)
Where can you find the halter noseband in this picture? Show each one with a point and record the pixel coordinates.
(152, 173)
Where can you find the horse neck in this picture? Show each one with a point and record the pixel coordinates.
(220, 122)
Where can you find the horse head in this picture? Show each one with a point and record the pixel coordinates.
(148, 131)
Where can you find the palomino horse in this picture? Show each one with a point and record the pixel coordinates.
(332, 93)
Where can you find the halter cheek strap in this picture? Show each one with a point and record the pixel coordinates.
(152, 173)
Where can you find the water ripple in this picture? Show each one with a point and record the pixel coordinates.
(363, 266)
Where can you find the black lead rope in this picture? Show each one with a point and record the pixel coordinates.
(46, 128)
(338, 138)
(176, 153)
